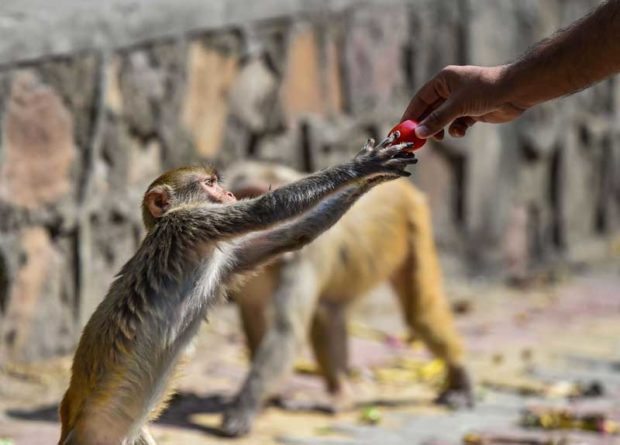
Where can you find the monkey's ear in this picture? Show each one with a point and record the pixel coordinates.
(157, 201)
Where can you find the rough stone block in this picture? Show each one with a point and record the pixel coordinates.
(615, 101)
(577, 185)
(331, 73)
(435, 38)
(311, 80)
(529, 234)
(327, 142)
(5, 283)
(438, 176)
(211, 74)
(489, 184)
(301, 86)
(106, 240)
(609, 209)
(112, 167)
(177, 143)
(37, 144)
(124, 169)
(489, 44)
(253, 97)
(142, 89)
(76, 80)
(113, 96)
(236, 142)
(39, 314)
(540, 130)
(515, 244)
(373, 58)
(285, 148)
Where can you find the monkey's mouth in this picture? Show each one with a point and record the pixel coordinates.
(250, 191)
(228, 198)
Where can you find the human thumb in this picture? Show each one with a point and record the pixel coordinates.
(436, 120)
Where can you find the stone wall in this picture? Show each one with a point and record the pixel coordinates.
(95, 103)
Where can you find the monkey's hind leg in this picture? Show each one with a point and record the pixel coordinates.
(330, 344)
(427, 313)
(293, 306)
(253, 313)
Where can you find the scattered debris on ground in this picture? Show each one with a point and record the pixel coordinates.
(537, 382)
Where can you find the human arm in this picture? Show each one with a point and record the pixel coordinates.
(574, 58)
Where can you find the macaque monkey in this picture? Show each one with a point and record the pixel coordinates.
(200, 238)
(386, 235)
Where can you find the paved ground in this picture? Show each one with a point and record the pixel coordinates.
(527, 349)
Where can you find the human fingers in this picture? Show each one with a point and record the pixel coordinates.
(459, 127)
(437, 119)
(431, 95)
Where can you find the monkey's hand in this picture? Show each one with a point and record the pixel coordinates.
(385, 160)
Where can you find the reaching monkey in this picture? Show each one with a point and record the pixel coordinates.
(386, 235)
(199, 239)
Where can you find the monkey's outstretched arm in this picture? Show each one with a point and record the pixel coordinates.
(259, 247)
(290, 201)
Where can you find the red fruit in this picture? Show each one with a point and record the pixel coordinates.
(407, 134)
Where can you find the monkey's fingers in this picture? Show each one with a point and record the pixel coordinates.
(395, 150)
(405, 154)
(388, 140)
(367, 149)
(400, 163)
(402, 159)
(369, 146)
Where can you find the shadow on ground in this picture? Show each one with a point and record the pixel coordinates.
(44, 413)
(179, 412)
(185, 404)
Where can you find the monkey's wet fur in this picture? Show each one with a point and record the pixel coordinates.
(200, 240)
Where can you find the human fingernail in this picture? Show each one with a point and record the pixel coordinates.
(422, 131)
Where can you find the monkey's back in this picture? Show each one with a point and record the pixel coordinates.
(132, 343)
(369, 243)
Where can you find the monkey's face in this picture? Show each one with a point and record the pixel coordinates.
(185, 185)
(213, 190)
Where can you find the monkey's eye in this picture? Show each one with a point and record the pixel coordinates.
(209, 182)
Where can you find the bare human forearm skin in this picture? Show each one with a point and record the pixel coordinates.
(574, 58)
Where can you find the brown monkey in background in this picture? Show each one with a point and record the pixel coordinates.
(386, 235)
(199, 239)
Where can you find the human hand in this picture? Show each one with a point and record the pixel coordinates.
(460, 96)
